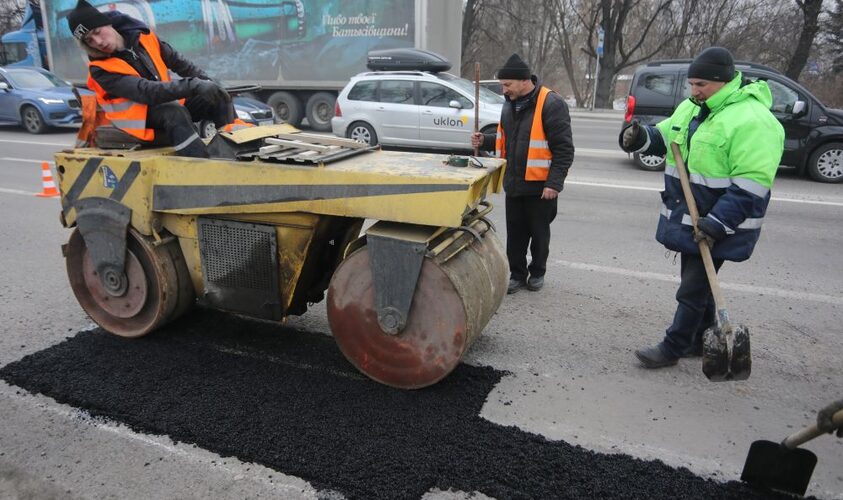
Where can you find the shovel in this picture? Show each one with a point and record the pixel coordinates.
(726, 353)
(783, 466)
(476, 103)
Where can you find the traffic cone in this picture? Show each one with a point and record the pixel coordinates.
(49, 187)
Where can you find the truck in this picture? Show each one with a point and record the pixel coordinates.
(25, 46)
(299, 52)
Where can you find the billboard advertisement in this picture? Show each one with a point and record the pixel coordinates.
(254, 40)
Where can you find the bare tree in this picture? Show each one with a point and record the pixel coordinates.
(834, 28)
(810, 26)
(11, 14)
(627, 25)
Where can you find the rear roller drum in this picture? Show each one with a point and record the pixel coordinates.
(154, 288)
(452, 303)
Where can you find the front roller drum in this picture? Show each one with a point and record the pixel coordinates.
(453, 302)
(158, 286)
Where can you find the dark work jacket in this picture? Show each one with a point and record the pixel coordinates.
(516, 126)
(149, 89)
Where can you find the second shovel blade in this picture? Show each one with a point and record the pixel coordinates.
(719, 363)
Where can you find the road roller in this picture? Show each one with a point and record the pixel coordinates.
(397, 243)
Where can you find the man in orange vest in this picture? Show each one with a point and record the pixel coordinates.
(129, 72)
(534, 135)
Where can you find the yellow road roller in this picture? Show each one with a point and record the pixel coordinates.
(400, 241)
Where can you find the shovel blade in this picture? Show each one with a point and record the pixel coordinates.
(772, 465)
(721, 363)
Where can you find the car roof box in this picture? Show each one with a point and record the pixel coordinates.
(406, 59)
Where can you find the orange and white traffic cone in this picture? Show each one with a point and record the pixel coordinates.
(49, 186)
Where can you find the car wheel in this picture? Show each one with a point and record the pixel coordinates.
(32, 120)
(652, 163)
(826, 163)
(287, 107)
(320, 110)
(362, 132)
(207, 129)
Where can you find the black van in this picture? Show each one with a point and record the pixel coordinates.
(813, 133)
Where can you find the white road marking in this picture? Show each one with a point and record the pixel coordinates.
(18, 191)
(26, 160)
(38, 143)
(760, 290)
(119, 429)
(659, 188)
(600, 153)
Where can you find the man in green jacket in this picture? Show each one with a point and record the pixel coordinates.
(732, 145)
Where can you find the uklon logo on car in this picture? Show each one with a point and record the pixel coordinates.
(451, 122)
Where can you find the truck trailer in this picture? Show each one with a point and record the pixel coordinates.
(299, 52)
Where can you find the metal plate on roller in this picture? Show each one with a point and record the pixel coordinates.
(429, 347)
(131, 302)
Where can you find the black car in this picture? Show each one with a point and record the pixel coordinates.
(813, 133)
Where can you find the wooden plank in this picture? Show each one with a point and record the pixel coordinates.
(296, 144)
(324, 139)
(265, 150)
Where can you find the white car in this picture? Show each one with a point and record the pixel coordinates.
(413, 109)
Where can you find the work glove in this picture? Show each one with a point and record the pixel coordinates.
(709, 231)
(209, 91)
(633, 137)
(824, 422)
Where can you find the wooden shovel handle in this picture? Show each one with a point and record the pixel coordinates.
(476, 103)
(810, 432)
(705, 251)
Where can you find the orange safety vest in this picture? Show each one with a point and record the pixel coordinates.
(539, 155)
(127, 115)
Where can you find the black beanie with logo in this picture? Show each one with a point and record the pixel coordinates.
(514, 69)
(84, 17)
(715, 64)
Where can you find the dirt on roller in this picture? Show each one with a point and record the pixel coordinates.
(289, 400)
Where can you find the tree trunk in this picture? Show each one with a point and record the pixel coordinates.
(810, 13)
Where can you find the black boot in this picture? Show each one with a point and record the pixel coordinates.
(535, 283)
(515, 285)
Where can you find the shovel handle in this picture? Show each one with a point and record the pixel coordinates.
(705, 251)
(476, 103)
(810, 432)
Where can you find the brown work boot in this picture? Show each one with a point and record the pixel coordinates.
(655, 357)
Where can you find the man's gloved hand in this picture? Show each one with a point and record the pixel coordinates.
(824, 422)
(633, 137)
(700, 235)
(209, 91)
(709, 231)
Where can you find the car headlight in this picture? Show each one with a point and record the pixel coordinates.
(47, 100)
(243, 115)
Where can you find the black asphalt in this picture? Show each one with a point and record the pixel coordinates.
(288, 400)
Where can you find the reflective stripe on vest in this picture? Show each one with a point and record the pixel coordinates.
(538, 155)
(129, 116)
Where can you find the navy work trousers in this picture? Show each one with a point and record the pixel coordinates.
(695, 309)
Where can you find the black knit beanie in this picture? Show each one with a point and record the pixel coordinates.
(714, 63)
(514, 69)
(84, 17)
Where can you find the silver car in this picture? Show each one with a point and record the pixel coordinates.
(413, 109)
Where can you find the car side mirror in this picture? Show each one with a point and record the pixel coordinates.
(798, 108)
(4, 86)
(455, 104)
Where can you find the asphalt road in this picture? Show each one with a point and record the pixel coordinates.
(565, 353)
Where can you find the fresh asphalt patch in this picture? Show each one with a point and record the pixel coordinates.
(288, 400)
